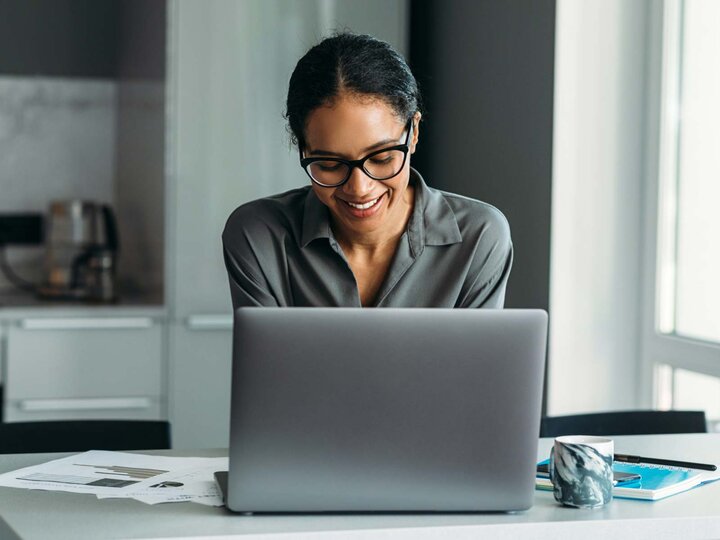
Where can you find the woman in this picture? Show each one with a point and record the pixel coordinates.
(367, 231)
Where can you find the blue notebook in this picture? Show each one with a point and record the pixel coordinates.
(656, 481)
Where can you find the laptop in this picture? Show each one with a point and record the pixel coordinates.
(384, 410)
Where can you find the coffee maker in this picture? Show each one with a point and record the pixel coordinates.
(81, 248)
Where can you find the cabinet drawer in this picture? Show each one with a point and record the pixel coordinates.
(130, 408)
(86, 359)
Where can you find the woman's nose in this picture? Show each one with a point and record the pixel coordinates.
(359, 183)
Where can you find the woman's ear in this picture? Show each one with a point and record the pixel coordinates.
(416, 131)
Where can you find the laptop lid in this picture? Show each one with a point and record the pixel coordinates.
(385, 410)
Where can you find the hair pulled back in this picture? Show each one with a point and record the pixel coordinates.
(356, 64)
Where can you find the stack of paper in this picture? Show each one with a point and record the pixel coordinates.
(109, 475)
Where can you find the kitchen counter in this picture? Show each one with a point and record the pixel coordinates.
(15, 304)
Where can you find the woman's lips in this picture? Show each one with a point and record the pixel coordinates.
(364, 210)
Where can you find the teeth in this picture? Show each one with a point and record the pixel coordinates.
(364, 206)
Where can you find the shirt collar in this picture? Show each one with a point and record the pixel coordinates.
(316, 221)
(432, 223)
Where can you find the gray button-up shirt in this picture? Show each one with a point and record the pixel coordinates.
(281, 251)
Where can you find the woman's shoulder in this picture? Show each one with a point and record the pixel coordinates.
(275, 215)
(475, 216)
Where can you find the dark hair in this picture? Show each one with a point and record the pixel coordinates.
(354, 63)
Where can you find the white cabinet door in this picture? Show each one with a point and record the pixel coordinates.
(82, 368)
(229, 68)
(200, 383)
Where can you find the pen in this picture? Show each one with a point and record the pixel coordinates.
(669, 462)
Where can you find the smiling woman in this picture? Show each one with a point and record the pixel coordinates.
(368, 231)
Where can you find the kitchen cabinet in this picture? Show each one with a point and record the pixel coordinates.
(229, 64)
(200, 382)
(228, 79)
(61, 368)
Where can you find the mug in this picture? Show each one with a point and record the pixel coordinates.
(581, 470)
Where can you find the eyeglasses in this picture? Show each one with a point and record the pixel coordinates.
(381, 165)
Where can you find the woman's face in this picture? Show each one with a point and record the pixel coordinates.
(350, 128)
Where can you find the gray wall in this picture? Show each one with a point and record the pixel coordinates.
(486, 70)
(59, 37)
(83, 38)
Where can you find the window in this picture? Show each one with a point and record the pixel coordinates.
(681, 342)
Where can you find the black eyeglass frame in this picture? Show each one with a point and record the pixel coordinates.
(360, 163)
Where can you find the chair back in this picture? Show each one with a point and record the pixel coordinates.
(624, 423)
(83, 435)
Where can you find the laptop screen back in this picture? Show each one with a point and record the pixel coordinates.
(340, 409)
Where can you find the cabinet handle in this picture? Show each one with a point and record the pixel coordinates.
(3, 356)
(37, 405)
(209, 322)
(77, 323)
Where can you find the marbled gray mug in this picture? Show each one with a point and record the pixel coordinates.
(581, 470)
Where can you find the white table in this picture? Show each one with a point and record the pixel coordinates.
(693, 514)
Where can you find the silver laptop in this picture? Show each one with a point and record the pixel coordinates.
(385, 410)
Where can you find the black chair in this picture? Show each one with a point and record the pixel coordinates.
(83, 435)
(624, 423)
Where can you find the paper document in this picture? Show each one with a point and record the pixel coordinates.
(194, 485)
(149, 479)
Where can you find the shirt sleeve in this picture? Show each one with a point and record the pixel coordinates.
(490, 292)
(243, 240)
(246, 289)
(488, 231)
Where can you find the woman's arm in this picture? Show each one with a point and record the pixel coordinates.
(486, 229)
(246, 289)
(490, 292)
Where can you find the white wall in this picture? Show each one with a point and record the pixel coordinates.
(596, 224)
